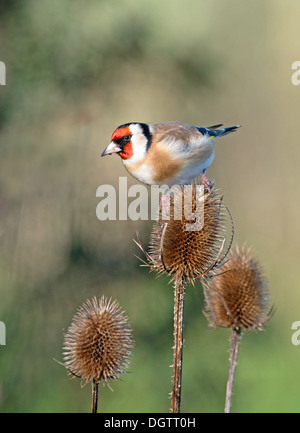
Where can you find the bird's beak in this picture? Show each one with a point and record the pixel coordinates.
(111, 148)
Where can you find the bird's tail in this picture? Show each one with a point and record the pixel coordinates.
(223, 131)
(212, 131)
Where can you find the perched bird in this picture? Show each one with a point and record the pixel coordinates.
(168, 153)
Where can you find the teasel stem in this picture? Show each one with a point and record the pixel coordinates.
(95, 396)
(187, 254)
(236, 335)
(179, 295)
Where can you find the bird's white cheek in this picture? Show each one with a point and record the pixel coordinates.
(139, 146)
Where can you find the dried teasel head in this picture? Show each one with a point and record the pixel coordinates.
(99, 341)
(238, 297)
(189, 241)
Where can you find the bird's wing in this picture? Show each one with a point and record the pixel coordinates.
(177, 132)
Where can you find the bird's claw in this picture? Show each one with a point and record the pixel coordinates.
(206, 182)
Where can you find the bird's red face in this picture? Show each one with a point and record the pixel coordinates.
(122, 136)
(120, 143)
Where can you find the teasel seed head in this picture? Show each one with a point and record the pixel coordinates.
(190, 246)
(99, 342)
(237, 296)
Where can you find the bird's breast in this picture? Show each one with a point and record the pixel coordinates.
(158, 166)
(170, 165)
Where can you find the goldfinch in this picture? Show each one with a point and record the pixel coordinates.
(168, 153)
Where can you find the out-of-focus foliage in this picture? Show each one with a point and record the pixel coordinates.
(76, 70)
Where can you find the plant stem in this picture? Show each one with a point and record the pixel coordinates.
(179, 293)
(234, 347)
(95, 396)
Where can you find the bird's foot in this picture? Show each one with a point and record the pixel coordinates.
(164, 205)
(206, 182)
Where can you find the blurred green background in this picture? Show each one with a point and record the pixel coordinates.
(74, 71)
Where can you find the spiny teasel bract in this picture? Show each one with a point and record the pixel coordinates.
(237, 296)
(99, 342)
(181, 252)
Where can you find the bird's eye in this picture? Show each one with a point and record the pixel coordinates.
(124, 140)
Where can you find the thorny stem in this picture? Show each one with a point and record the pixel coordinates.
(95, 396)
(179, 293)
(234, 347)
